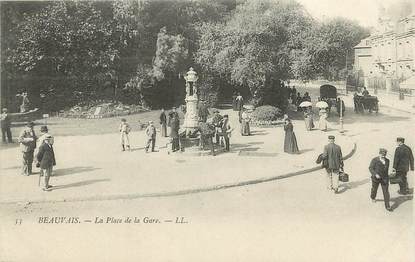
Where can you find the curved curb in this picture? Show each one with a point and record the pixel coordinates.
(185, 191)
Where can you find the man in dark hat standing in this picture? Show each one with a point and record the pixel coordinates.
(226, 130)
(5, 123)
(378, 168)
(333, 154)
(46, 160)
(402, 161)
(27, 140)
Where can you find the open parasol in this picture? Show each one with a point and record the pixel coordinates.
(306, 104)
(322, 104)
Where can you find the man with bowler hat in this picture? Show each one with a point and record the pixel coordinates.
(378, 168)
(46, 159)
(333, 154)
(27, 140)
(402, 161)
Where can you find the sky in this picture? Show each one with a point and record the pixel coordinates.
(365, 12)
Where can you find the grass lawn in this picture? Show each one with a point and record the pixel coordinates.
(78, 127)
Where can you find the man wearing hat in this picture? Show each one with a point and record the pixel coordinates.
(333, 154)
(46, 160)
(216, 121)
(378, 168)
(151, 136)
(27, 140)
(402, 161)
(44, 132)
(5, 126)
(226, 130)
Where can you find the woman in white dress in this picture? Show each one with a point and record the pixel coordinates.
(323, 119)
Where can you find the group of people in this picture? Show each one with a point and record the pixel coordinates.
(403, 161)
(44, 157)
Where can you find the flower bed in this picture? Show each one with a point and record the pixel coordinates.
(266, 116)
(102, 110)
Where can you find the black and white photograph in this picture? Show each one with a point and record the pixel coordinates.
(207, 130)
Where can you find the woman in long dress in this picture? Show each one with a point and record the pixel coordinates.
(308, 119)
(290, 141)
(245, 130)
(322, 123)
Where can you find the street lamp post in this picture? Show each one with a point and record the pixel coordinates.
(341, 115)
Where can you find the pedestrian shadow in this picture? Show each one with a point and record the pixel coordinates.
(82, 183)
(397, 201)
(302, 151)
(350, 185)
(4, 146)
(255, 143)
(259, 133)
(137, 148)
(373, 118)
(11, 167)
(73, 170)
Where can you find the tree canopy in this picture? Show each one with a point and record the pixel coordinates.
(138, 51)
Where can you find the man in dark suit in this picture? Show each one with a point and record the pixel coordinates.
(333, 154)
(402, 161)
(46, 161)
(174, 133)
(378, 168)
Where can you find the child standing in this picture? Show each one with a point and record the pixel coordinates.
(151, 136)
(124, 130)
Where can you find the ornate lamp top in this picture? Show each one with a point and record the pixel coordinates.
(191, 75)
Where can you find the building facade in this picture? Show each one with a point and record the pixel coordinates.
(387, 57)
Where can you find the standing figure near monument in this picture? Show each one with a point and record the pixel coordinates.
(5, 126)
(24, 107)
(403, 161)
(333, 154)
(172, 113)
(245, 129)
(46, 161)
(226, 131)
(174, 133)
(151, 136)
(124, 137)
(216, 121)
(239, 106)
(27, 140)
(163, 123)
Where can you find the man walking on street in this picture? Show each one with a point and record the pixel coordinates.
(151, 136)
(378, 168)
(333, 154)
(46, 161)
(27, 140)
(5, 126)
(402, 161)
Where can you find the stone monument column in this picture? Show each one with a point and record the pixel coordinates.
(191, 118)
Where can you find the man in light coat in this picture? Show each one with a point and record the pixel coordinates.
(333, 154)
(27, 140)
(151, 136)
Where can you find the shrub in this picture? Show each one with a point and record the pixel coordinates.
(266, 113)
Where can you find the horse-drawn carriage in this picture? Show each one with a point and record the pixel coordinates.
(365, 102)
(328, 94)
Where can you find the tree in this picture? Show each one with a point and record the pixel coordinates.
(252, 48)
(325, 49)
